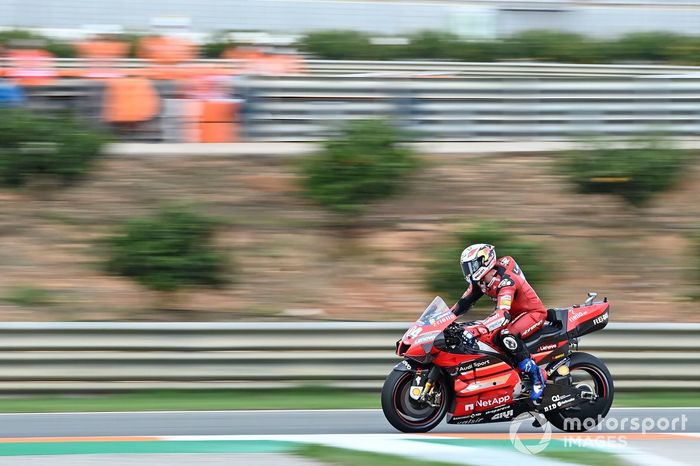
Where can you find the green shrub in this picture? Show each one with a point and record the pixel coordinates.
(338, 45)
(28, 296)
(365, 163)
(635, 172)
(540, 45)
(216, 46)
(444, 275)
(11, 35)
(167, 251)
(61, 49)
(34, 147)
(552, 46)
(646, 46)
(433, 45)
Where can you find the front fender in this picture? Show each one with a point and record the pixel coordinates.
(409, 366)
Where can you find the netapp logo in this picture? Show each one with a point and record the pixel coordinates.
(499, 400)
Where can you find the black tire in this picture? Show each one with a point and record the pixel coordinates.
(403, 413)
(586, 415)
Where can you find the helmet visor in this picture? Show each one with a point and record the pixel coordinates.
(469, 267)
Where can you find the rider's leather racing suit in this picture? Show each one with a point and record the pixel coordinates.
(519, 311)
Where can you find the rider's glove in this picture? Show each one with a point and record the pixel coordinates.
(479, 330)
(468, 339)
(453, 334)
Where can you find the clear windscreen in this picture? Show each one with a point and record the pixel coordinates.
(437, 308)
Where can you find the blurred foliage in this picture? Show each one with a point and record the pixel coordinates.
(551, 46)
(538, 45)
(339, 45)
(647, 46)
(445, 276)
(14, 37)
(28, 296)
(131, 38)
(36, 146)
(635, 172)
(365, 163)
(432, 45)
(168, 251)
(9, 36)
(215, 46)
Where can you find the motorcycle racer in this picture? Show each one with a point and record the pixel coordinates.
(519, 311)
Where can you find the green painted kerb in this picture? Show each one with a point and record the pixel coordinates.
(554, 444)
(107, 447)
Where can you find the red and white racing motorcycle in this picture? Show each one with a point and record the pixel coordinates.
(482, 383)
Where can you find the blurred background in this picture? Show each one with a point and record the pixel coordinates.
(564, 132)
(171, 171)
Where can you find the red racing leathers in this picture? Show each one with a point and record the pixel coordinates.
(518, 308)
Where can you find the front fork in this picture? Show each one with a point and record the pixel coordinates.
(423, 387)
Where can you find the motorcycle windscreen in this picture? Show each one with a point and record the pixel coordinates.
(436, 310)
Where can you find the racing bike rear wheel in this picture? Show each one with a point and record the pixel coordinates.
(590, 375)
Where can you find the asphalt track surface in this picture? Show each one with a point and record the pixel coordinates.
(281, 422)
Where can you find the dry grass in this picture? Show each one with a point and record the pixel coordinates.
(293, 263)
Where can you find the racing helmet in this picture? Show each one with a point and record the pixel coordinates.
(477, 260)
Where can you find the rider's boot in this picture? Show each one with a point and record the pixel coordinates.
(516, 347)
(537, 377)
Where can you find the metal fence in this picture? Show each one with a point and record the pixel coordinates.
(127, 356)
(309, 109)
(359, 68)
(302, 109)
(470, 102)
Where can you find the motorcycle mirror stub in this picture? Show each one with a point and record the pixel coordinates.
(591, 296)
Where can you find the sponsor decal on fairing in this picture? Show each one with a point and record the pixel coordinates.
(499, 400)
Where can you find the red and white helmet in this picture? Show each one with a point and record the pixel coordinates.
(477, 260)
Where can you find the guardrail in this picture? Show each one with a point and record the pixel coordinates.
(303, 109)
(128, 356)
(504, 106)
(413, 67)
